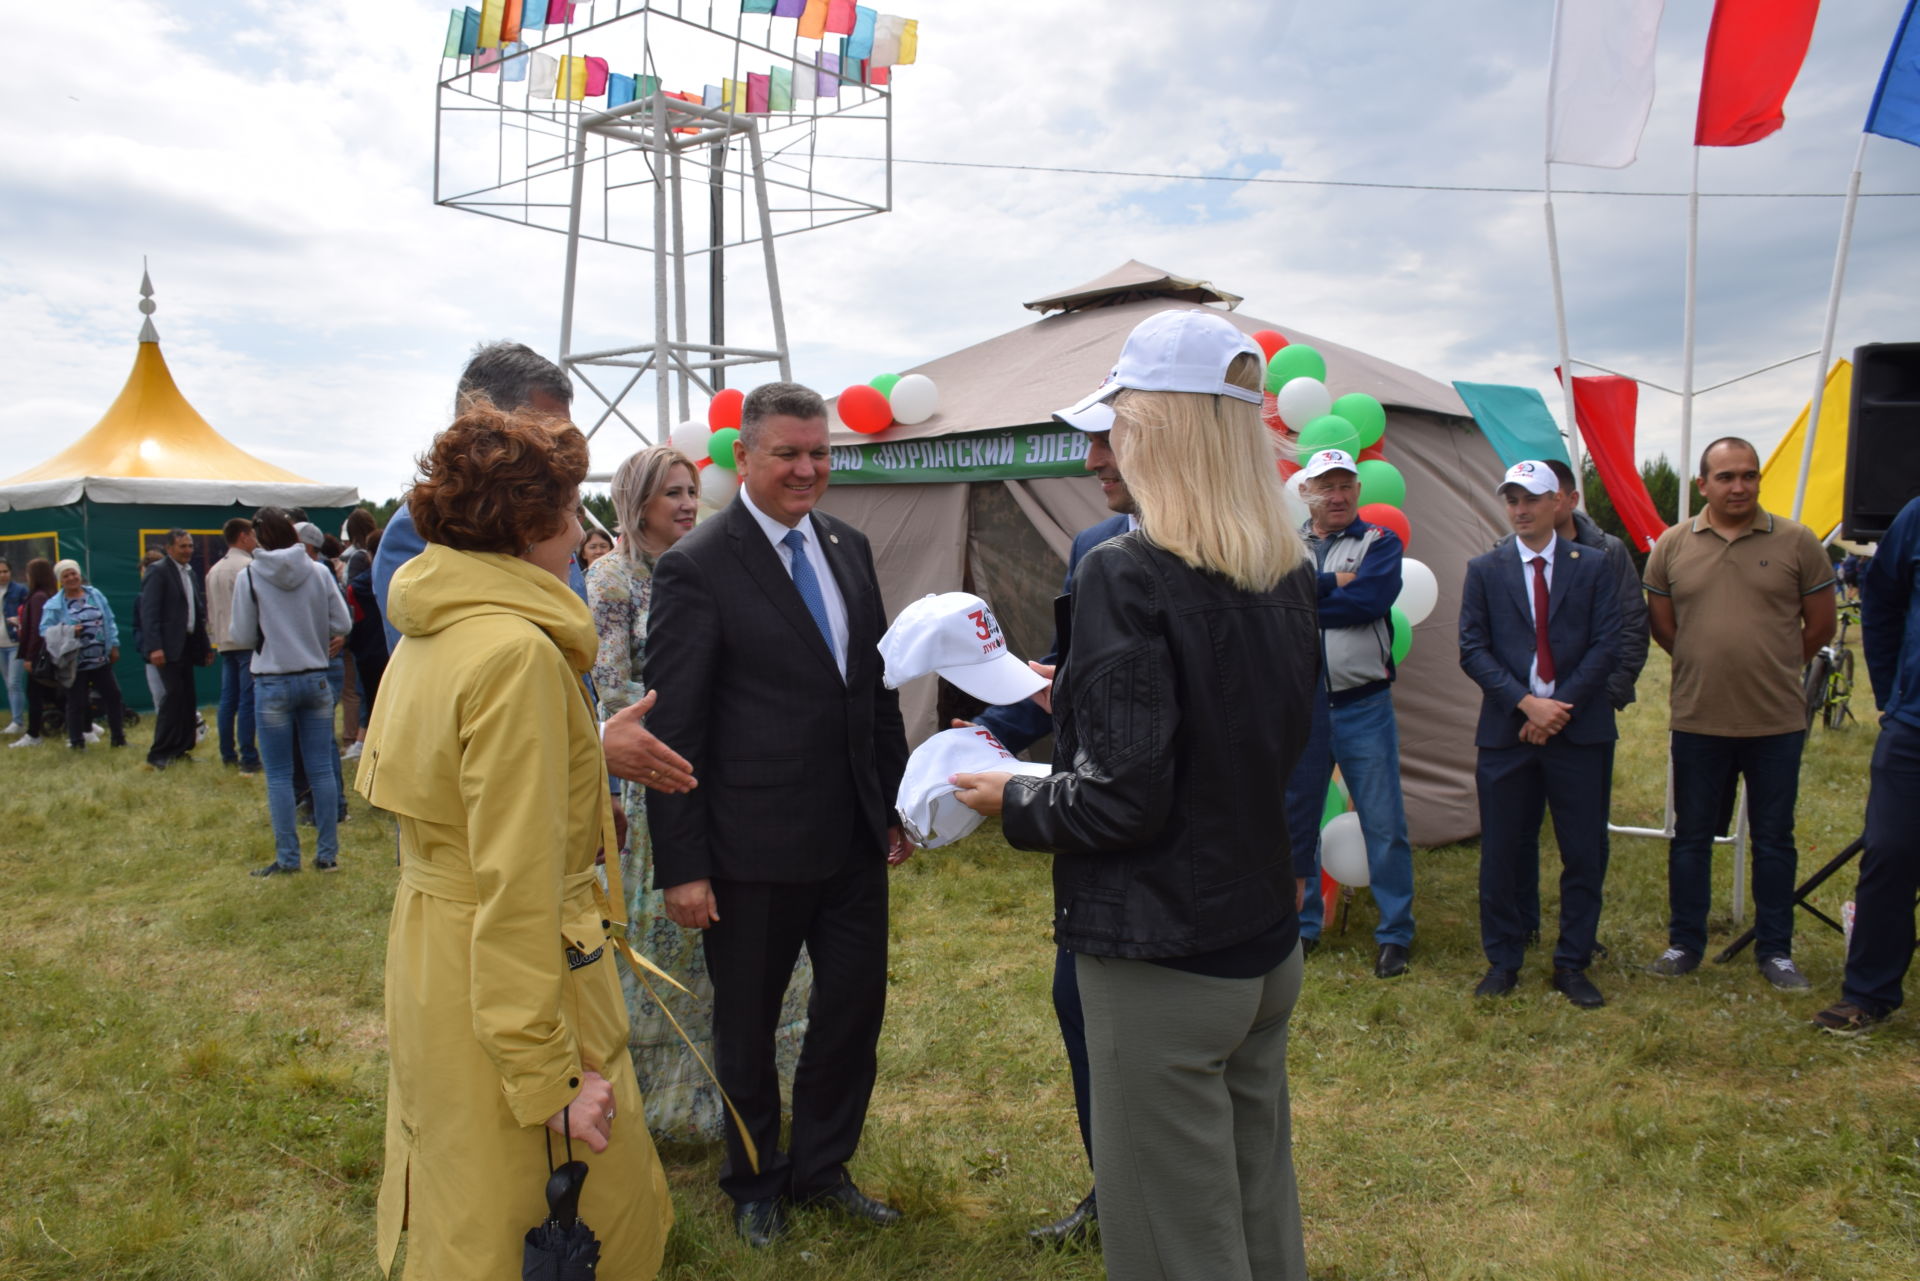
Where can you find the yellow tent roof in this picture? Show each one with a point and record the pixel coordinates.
(152, 432)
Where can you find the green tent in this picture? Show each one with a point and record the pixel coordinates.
(150, 465)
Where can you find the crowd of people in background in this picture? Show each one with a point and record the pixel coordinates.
(740, 839)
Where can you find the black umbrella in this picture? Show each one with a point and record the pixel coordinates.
(561, 1248)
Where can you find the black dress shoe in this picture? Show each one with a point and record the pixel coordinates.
(1079, 1225)
(1391, 963)
(1498, 982)
(1578, 988)
(760, 1223)
(855, 1204)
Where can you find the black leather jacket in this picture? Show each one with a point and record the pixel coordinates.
(1180, 709)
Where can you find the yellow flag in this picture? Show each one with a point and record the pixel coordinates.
(909, 41)
(491, 12)
(733, 95)
(572, 82)
(1827, 479)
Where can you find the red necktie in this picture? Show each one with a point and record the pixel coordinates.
(1542, 651)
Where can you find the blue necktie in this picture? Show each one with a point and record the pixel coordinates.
(809, 587)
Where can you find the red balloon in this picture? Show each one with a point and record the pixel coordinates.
(1269, 341)
(1287, 468)
(701, 464)
(865, 409)
(724, 412)
(1378, 449)
(1388, 516)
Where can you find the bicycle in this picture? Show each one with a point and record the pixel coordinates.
(1827, 684)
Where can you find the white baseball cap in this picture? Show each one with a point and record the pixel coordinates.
(1095, 417)
(928, 808)
(1322, 461)
(956, 635)
(1534, 477)
(1179, 351)
(309, 533)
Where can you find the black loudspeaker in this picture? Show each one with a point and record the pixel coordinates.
(1883, 442)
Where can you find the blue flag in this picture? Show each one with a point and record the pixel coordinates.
(859, 45)
(619, 90)
(1896, 103)
(513, 64)
(1515, 422)
(470, 33)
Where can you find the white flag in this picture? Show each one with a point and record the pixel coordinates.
(886, 41)
(804, 77)
(543, 77)
(1600, 85)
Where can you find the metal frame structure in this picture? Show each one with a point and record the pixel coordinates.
(503, 151)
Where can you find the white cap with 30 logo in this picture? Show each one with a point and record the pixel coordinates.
(956, 635)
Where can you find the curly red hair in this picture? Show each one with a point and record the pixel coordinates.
(498, 480)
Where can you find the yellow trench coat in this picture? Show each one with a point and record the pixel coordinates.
(500, 978)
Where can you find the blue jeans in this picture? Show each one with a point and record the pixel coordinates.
(337, 683)
(1704, 769)
(290, 709)
(236, 708)
(15, 673)
(1366, 746)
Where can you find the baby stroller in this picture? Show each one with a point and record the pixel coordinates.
(55, 679)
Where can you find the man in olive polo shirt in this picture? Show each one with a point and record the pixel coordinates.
(1742, 599)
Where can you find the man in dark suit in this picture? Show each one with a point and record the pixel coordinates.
(1538, 623)
(173, 622)
(762, 642)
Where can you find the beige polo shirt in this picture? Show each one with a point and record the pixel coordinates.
(1736, 611)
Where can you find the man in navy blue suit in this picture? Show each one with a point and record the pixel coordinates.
(1018, 726)
(1538, 623)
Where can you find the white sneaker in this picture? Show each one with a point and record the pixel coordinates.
(352, 753)
(92, 735)
(18, 727)
(26, 741)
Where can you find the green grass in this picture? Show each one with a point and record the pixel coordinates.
(192, 1075)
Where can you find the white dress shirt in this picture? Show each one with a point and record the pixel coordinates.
(186, 585)
(823, 572)
(1535, 686)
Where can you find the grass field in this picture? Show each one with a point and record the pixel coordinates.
(192, 1075)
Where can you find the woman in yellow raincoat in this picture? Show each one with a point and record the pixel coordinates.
(505, 1020)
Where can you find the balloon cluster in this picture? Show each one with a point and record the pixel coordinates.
(1308, 418)
(888, 399)
(710, 445)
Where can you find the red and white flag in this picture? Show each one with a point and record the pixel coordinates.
(1600, 86)
(1754, 51)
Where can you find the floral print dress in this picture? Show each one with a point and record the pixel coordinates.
(682, 1102)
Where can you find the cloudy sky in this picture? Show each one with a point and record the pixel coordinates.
(274, 163)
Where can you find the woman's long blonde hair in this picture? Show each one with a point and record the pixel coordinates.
(638, 482)
(1203, 471)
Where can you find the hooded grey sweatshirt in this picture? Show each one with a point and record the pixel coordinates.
(292, 599)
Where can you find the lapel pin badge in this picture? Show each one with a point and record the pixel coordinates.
(1575, 555)
(834, 539)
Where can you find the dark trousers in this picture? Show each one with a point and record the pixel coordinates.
(1073, 1034)
(750, 954)
(1517, 786)
(1704, 769)
(1882, 946)
(79, 717)
(173, 722)
(37, 695)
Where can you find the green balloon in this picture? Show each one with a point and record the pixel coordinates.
(1336, 804)
(1295, 360)
(1381, 482)
(1329, 431)
(1366, 414)
(1402, 635)
(884, 383)
(720, 447)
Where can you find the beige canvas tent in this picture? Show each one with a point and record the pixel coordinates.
(986, 495)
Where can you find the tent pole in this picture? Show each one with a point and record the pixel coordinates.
(1826, 333)
(1560, 328)
(1686, 343)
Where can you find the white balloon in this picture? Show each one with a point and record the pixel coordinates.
(690, 438)
(1302, 400)
(1419, 591)
(914, 398)
(718, 485)
(1297, 510)
(1343, 850)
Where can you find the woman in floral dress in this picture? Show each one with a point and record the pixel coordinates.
(656, 496)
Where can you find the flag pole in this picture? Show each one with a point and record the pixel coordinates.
(1686, 341)
(1826, 334)
(1553, 263)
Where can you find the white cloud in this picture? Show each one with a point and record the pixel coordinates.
(277, 167)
